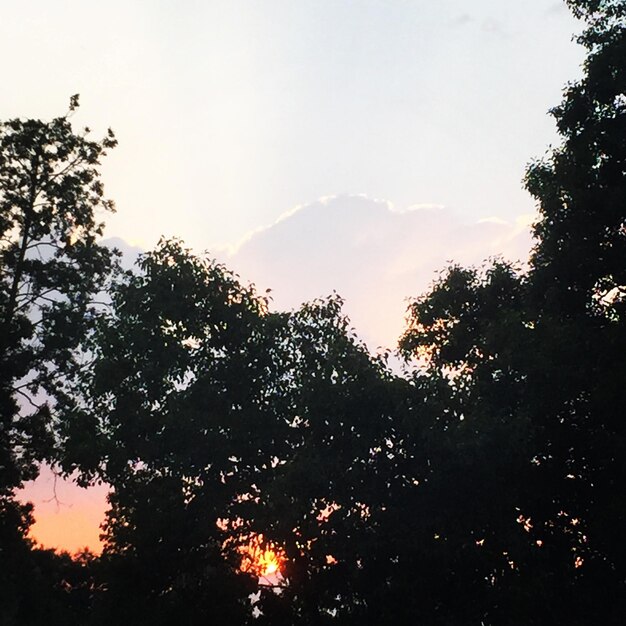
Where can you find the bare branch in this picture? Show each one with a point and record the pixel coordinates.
(27, 397)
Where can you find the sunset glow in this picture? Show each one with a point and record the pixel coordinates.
(261, 558)
(69, 530)
(67, 517)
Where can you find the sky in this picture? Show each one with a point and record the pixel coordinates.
(230, 113)
(312, 145)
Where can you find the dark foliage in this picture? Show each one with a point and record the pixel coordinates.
(536, 369)
(51, 270)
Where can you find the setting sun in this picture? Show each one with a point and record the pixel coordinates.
(261, 558)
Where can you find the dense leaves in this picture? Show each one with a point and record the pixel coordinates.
(535, 364)
(51, 268)
(51, 272)
(215, 422)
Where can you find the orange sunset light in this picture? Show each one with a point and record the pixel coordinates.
(261, 558)
(67, 517)
(69, 530)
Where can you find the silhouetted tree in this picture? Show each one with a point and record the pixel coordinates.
(176, 414)
(578, 280)
(325, 498)
(51, 269)
(216, 422)
(535, 369)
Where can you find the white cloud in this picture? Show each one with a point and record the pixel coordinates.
(370, 253)
(492, 220)
(373, 254)
(425, 206)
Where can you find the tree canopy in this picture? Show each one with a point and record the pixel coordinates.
(51, 272)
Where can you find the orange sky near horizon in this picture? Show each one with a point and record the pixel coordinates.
(67, 517)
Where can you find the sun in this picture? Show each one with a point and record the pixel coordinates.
(261, 558)
(269, 563)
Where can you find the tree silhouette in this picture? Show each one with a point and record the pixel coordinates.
(176, 415)
(578, 279)
(51, 270)
(217, 422)
(535, 369)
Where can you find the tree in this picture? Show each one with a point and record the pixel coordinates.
(217, 423)
(51, 270)
(324, 500)
(176, 414)
(578, 260)
(470, 334)
(578, 278)
(539, 356)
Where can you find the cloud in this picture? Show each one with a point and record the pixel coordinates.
(425, 206)
(373, 254)
(130, 252)
(370, 253)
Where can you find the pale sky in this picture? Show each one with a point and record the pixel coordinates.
(354, 145)
(230, 113)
